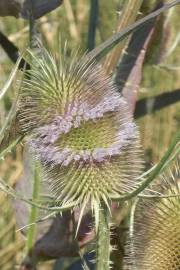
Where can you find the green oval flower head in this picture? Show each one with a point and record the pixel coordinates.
(155, 237)
(81, 130)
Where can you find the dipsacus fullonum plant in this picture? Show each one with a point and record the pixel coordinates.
(155, 237)
(80, 130)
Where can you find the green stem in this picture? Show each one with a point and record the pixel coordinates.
(155, 172)
(33, 35)
(103, 247)
(10, 191)
(8, 149)
(34, 209)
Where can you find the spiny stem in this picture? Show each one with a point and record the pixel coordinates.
(34, 209)
(103, 247)
(36, 181)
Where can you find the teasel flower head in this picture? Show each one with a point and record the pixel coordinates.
(154, 242)
(81, 130)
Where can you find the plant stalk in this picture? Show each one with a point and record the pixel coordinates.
(34, 210)
(103, 247)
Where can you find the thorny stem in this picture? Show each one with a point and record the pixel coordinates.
(36, 181)
(34, 210)
(154, 173)
(103, 247)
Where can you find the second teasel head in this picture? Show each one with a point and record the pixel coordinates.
(154, 242)
(80, 129)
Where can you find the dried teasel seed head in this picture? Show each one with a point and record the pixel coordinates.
(155, 238)
(81, 130)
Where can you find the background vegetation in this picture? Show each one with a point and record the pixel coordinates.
(160, 74)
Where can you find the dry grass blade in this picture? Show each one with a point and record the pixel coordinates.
(109, 44)
(127, 17)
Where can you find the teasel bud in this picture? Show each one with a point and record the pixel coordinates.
(155, 235)
(81, 130)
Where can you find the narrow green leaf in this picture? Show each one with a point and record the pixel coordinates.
(10, 147)
(7, 123)
(11, 77)
(10, 191)
(110, 43)
(156, 171)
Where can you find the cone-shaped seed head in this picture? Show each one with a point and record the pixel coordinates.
(81, 129)
(155, 241)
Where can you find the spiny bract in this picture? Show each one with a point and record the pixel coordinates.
(80, 128)
(155, 241)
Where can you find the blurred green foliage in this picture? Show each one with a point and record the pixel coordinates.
(161, 73)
